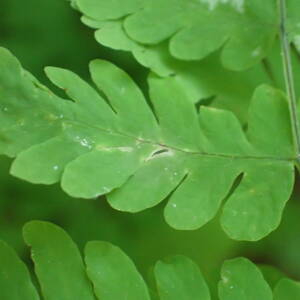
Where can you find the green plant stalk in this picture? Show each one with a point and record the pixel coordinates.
(289, 79)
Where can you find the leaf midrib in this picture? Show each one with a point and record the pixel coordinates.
(200, 153)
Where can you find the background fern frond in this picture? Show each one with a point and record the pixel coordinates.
(246, 40)
(109, 274)
(161, 36)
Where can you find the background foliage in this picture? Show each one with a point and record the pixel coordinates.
(48, 32)
(104, 271)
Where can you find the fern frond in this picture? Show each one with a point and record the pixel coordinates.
(287, 289)
(107, 273)
(109, 142)
(243, 32)
(246, 39)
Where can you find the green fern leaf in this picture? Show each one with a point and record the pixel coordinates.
(201, 79)
(58, 263)
(112, 145)
(287, 289)
(243, 280)
(180, 278)
(251, 27)
(113, 274)
(62, 275)
(245, 29)
(12, 271)
(271, 275)
(246, 40)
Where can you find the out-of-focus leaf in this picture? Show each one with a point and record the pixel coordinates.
(15, 282)
(161, 36)
(246, 28)
(113, 274)
(62, 274)
(58, 263)
(241, 279)
(180, 278)
(287, 289)
(272, 275)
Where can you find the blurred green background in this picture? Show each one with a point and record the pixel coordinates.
(49, 32)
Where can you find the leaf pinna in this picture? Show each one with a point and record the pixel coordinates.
(108, 141)
(107, 273)
(244, 30)
(245, 39)
(203, 43)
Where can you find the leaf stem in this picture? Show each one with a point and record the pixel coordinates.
(288, 76)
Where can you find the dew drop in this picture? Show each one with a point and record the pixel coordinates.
(83, 142)
(256, 52)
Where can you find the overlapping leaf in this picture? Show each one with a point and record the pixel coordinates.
(287, 289)
(201, 79)
(242, 31)
(109, 142)
(245, 29)
(109, 274)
